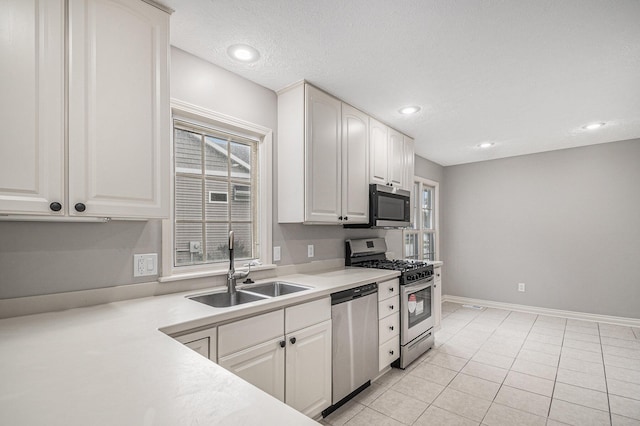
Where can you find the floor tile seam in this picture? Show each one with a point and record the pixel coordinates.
(623, 396)
(555, 380)
(458, 414)
(606, 382)
(582, 387)
(517, 409)
(582, 405)
(540, 363)
(626, 381)
(386, 415)
(421, 414)
(428, 381)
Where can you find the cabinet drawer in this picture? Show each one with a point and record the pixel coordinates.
(250, 332)
(388, 307)
(307, 314)
(388, 289)
(389, 327)
(388, 352)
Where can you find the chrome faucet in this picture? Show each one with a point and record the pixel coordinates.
(232, 275)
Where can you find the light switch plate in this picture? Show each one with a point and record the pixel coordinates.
(310, 250)
(145, 264)
(276, 254)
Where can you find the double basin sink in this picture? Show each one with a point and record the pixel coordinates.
(250, 293)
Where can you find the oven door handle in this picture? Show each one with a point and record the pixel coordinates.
(413, 288)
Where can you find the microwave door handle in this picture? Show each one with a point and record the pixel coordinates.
(413, 289)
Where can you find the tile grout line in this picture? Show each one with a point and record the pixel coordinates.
(555, 380)
(604, 368)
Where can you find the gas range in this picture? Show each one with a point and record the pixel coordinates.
(370, 253)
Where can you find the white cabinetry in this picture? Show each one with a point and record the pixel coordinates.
(322, 158)
(117, 162)
(204, 342)
(256, 349)
(391, 156)
(437, 297)
(388, 323)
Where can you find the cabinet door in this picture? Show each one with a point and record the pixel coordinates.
(396, 158)
(308, 369)
(323, 157)
(119, 115)
(32, 106)
(437, 298)
(378, 171)
(409, 164)
(261, 365)
(355, 165)
(203, 342)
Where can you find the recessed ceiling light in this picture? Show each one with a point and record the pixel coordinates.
(409, 110)
(243, 53)
(486, 145)
(593, 126)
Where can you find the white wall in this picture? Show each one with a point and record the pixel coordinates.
(566, 223)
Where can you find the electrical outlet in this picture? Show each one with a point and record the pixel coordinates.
(145, 264)
(521, 287)
(310, 250)
(276, 254)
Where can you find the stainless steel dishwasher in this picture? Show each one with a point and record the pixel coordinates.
(354, 316)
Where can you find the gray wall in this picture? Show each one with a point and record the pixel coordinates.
(565, 223)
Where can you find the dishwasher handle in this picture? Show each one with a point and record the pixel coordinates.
(353, 293)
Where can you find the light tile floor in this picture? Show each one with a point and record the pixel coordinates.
(497, 367)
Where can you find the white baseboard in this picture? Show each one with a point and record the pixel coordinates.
(631, 322)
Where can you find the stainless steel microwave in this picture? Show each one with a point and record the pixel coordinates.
(389, 207)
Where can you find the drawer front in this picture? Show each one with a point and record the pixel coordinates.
(388, 307)
(389, 327)
(388, 289)
(388, 352)
(250, 332)
(307, 314)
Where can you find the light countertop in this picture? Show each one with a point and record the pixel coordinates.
(110, 364)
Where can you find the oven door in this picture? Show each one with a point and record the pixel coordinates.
(417, 309)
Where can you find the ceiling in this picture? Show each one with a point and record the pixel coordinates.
(526, 75)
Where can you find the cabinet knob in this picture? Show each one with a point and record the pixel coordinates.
(293, 340)
(391, 307)
(390, 352)
(391, 327)
(391, 289)
(55, 206)
(438, 275)
(283, 343)
(346, 218)
(80, 207)
(339, 217)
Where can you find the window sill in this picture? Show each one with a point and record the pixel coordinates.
(208, 273)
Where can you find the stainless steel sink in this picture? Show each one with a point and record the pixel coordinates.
(275, 288)
(223, 300)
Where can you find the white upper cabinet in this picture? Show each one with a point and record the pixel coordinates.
(355, 165)
(396, 159)
(118, 108)
(409, 164)
(322, 159)
(391, 156)
(379, 172)
(323, 185)
(118, 119)
(32, 106)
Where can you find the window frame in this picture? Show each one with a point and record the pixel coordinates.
(420, 230)
(202, 117)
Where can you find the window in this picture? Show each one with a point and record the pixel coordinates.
(221, 182)
(421, 240)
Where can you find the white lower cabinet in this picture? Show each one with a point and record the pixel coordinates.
(437, 297)
(261, 365)
(294, 367)
(308, 369)
(204, 342)
(388, 323)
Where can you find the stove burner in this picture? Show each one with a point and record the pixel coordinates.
(412, 270)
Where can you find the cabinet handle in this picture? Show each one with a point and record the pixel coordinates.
(55, 206)
(283, 343)
(80, 207)
(293, 340)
